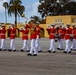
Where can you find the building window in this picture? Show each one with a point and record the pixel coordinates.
(58, 20)
(55, 21)
(74, 20)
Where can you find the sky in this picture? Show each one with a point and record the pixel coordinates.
(30, 10)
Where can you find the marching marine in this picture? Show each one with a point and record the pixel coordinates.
(25, 32)
(33, 38)
(52, 31)
(0, 35)
(67, 37)
(12, 31)
(38, 29)
(73, 37)
(61, 34)
(3, 37)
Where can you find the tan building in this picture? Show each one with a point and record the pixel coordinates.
(49, 20)
(58, 20)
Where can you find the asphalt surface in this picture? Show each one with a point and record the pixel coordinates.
(18, 63)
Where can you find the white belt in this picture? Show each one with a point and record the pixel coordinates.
(67, 34)
(24, 34)
(52, 34)
(2, 34)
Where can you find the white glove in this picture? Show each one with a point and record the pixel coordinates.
(66, 28)
(0, 28)
(63, 27)
(37, 37)
(24, 29)
(51, 27)
(11, 27)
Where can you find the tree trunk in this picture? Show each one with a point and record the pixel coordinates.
(5, 16)
(15, 18)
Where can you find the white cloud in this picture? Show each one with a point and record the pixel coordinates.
(1, 5)
(32, 10)
(35, 8)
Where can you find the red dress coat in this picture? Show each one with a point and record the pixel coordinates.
(52, 33)
(24, 34)
(68, 32)
(38, 31)
(74, 33)
(33, 35)
(12, 33)
(3, 32)
(61, 32)
(0, 34)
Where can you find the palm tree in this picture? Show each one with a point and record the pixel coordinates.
(16, 8)
(5, 5)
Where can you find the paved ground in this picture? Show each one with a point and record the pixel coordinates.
(18, 63)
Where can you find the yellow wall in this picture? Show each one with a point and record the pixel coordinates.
(44, 26)
(7, 26)
(49, 20)
(65, 19)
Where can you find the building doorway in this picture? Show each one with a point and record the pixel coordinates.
(8, 34)
(17, 33)
(42, 32)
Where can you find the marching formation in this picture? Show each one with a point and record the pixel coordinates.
(55, 33)
(67, 33)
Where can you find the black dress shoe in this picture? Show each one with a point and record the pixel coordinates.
(49, 51)
(28, 51)
(34, 54)
(14, 50)
(64, 52)
(22, 50)
(40, 51)
(71, 49)
(58, 48)
(69, 52)
(61, 49)
(9, 50)
(0, 49)
(74, 49)
(4, 49)
(54, 51)
(29, 54)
